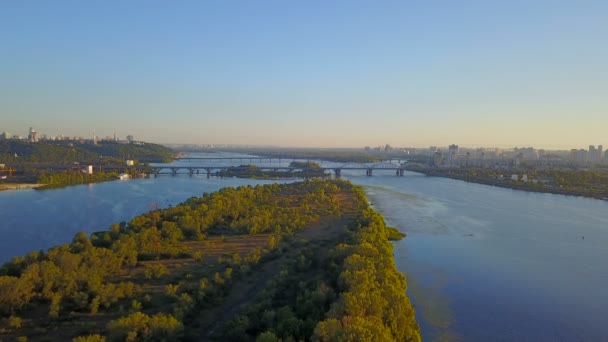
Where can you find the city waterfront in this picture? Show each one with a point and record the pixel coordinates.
(483, 263)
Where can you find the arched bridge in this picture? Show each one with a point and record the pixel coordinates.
(337, 170)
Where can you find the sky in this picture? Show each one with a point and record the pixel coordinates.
(309, 73)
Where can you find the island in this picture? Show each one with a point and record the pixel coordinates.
(296, 169)
(302, 261)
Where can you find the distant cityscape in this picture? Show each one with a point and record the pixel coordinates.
(449, 156)
(516, 157)
(35, 136)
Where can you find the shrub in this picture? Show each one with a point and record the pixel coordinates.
(14, 322)
(139, 326)
(89, 338)
(155, 271)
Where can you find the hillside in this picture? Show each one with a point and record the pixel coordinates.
(61, 152)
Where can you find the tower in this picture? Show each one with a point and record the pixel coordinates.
(33, 135)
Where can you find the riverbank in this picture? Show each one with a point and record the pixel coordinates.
(529, 186)
(19, 186)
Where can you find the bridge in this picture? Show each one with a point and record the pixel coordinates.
(269, 159)
(241, 159)
(217, 169)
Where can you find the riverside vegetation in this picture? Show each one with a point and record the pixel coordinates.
(58, 164)
(301, 261)
(587, 183)
(304, 170)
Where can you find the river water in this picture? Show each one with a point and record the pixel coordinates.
(483, 263)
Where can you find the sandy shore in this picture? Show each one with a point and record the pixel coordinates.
(18, 186)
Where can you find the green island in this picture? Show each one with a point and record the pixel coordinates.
(63, 163)
(587, 183)
(49, 180)
(293, 262)
(302, 170)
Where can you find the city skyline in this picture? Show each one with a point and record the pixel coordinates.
(581, 152)
(318, 74)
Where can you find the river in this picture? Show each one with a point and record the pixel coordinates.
(483, 263)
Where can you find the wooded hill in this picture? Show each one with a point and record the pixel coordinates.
(60, 152)
(300, 261)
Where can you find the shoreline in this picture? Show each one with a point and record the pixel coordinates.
(19, 186)
(504, 185)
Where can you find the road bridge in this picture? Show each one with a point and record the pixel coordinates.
(250, 159)
(218, 169)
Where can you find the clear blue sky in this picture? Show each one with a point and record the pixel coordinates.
(309, 73)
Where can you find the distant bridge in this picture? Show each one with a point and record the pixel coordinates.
(250, 159)
(269, 159)
(216, 169)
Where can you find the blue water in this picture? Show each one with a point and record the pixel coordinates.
(483, 263)
(510, 265)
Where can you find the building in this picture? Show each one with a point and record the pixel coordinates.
(130, 162)
(33, 136)
(579, 156)
(437, 159)
(130, 138)
(592, 154)
(452, 153)
(528, 153)
(595, 155)
(5, 136)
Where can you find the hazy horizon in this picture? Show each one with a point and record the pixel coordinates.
(315, 74)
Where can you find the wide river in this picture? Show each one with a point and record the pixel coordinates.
(483, 263)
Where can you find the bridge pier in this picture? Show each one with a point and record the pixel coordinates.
(401, 172)
(191, 171)
(369, 172)
(208, 172)
(338, 173)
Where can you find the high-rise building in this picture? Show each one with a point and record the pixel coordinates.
(130, 138)
(33, 135)
(5, 136)
(591, 154)
(595, 154)
(452, 153)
